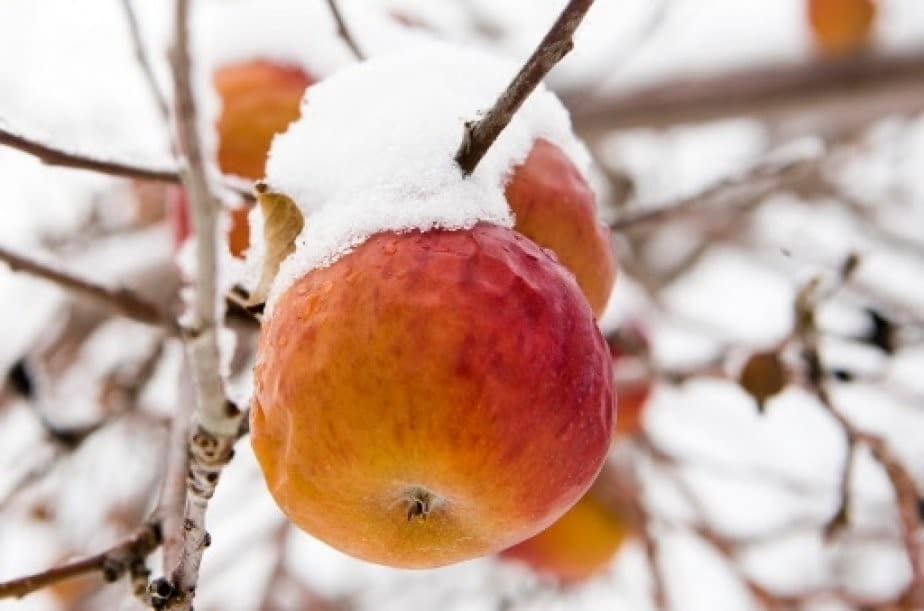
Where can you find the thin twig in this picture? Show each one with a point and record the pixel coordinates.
(112, 563)
(343, 31)
(144, 61)
(480, 135)
(120, 301)
(216, 421)
(53, 155)
(56, 156)
(759, 181)
(838, 93)
(903, 485)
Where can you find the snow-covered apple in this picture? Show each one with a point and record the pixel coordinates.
(430, 384)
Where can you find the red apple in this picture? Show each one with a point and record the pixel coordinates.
(431, 396)
(259, 99)
(630, 348)
(554, 206)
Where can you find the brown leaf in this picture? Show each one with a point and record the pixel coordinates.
(763, 376)
(282, 222)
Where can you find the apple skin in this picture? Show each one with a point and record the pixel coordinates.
(459, 367)
(259, 99)
(630, 343)
(554, 206)
(238, 233)
(581, 544)
(841, 26)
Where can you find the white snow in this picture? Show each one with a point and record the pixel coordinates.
(374, 151)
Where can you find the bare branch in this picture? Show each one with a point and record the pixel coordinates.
(343, 31)
(124, 556)
(903, 484)
(839, 93)
(144, 61)
(120, 301)
(56, 156)
(216, 421)
(480, 135)
(756, 183)
(53, 155)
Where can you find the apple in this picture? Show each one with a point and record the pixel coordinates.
(841, 26)
(259, 99)
(554, 206)
(581, 544)
(431, 396)
(630, 348)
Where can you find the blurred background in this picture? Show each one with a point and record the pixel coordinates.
(784, 154)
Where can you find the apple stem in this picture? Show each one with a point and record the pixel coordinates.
(480, 135)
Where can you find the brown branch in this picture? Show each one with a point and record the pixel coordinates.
(216, 421)
(53, 155)
(480, 135)
(343, 31)
(124, 556)
(144, 62)
(903, 484)
(756, 183)
(120, 301)
(840, 93)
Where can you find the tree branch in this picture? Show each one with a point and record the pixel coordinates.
(124, 556)
(903, 484)
(216, 421)
(480, 135)
(120, 301)
(53, 155)
(839, 93)
(56, 156)
(343, 31)
(761, 180)
(144, 61)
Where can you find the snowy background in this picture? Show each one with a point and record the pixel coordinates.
(67, 73)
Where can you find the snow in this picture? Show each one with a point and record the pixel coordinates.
(373, 151)
(85, 92)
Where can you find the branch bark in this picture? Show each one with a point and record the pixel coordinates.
(761, 180)
(837, 94)
(56, 156)
(558, 42)
(53, 155)
(120, 301)
(903, 484)
(343, 31)
(215, 421)
(144, 61)
(124, 556)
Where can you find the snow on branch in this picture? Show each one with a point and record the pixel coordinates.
(216, 421)
(120, 301)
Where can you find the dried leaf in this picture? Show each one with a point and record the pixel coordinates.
(282, 222)
(763, 376)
